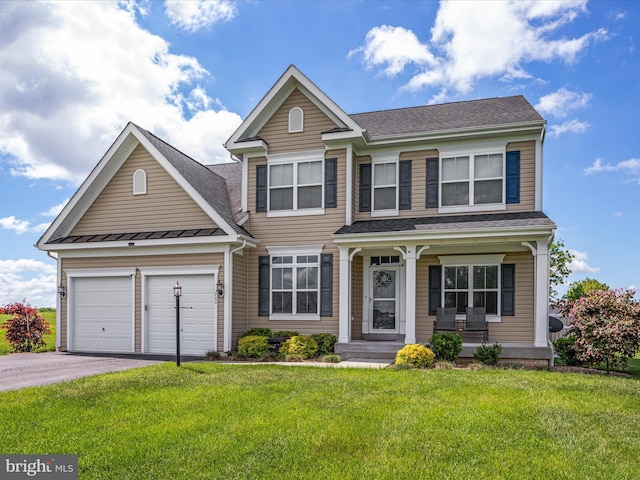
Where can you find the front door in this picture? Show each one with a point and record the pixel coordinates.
(384, 305)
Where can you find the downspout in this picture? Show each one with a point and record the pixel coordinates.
(58, 299)
(228, 298)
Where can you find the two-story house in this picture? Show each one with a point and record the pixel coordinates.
(357, 225)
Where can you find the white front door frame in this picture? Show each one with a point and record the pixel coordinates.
(367, 290)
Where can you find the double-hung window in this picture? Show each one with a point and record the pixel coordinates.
(385, 186)
(295, 284)
(472, 179)
(296, 184)
(472, 281)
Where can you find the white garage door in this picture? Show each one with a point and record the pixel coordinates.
(197, 314)
(102, 318)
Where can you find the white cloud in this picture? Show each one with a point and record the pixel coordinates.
(560, 102)
(630, 168)
(28, 279)
(572, 126)
(55, 209)
(22, 226)
(12, 223)
(196, 15)
(394, 47)
(579, 263)
(66, 93)
(474, 40)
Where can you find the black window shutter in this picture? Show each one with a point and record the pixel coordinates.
(326, 284)
(432, 182)
(508, 293)
(365, 187)
(264, 270)
(513, 177)
(261, 188)
(435, 288)
(330, 183)
(405, 184)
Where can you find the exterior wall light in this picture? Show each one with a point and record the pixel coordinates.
(62, 291)
(220, 288)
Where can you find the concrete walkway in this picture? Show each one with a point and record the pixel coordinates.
(21, 370)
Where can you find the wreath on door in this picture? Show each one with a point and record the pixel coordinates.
(383, 279)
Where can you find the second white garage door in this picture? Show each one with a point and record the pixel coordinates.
(197, 315)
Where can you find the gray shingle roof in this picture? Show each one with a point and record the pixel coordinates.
(448, 116)
(452, 222)
(211, 186)
(232, 174)
(123, 237)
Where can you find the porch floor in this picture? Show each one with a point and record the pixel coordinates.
(386, 351)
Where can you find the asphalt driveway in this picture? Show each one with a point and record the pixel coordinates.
(21, 370)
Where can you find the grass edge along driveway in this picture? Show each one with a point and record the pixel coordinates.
(271, 421)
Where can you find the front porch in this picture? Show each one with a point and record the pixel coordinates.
(516, 352)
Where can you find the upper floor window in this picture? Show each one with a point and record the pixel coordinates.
(472, 180)
(296, 120)
(139, 182)
(384, 186)
(296, 185)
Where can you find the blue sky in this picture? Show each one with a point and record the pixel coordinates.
(73, 74)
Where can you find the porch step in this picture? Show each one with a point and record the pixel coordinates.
(372, 350)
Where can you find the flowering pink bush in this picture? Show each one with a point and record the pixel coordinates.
(606, 325)
(26, 329)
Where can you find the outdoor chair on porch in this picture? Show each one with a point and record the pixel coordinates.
(477, 321)
(445, 320)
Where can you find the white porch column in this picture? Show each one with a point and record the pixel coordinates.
(410, 295)
(344, 324)
(541, 296)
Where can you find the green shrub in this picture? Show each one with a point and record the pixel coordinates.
(416, 355)
(257, 331)
(446, 346)
(325, 342)
(284, 333)
(332, 358)
(565, 347)
(212, 355)
(488, 354)
(305, 347)
(253, 346)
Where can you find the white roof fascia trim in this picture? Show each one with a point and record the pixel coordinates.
(427, 235)
(88, 182)
(291, 73)
(186, 186)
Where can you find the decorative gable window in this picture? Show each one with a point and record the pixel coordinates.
(296, 120)
(139, 182)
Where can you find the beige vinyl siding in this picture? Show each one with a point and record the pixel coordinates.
(96, 263)
(294, 231)
(276, 131)
(518, 328)
(527, 175)
(165, 206)
(240, 309)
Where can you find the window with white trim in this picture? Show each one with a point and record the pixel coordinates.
(472, 286)
(385, 186)
(296, 185)
(296, 120)
(469, 180)
(295, 284)
(139, 182)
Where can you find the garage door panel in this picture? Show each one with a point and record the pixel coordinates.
(197, 314)
(102, 314)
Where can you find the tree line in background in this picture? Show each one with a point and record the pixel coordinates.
(605, 323)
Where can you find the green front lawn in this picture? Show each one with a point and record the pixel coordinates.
(50, 339)
(275, 422)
